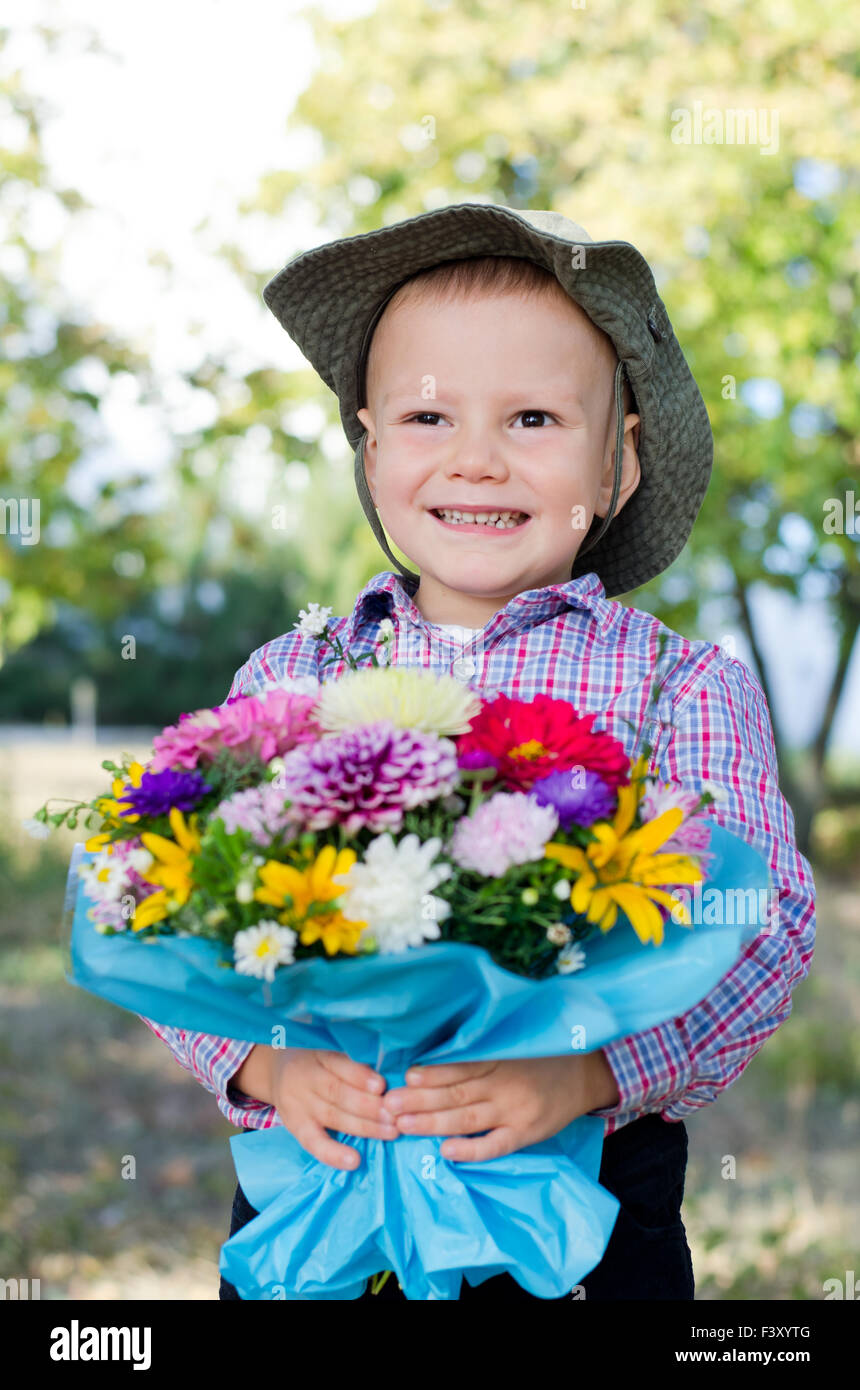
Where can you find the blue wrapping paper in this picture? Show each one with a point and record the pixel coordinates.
(540, 1213)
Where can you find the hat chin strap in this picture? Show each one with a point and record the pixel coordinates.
(373, 516)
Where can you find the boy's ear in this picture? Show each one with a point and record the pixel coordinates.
(366, 419)
(630, 469)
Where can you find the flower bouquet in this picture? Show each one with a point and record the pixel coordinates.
(391, 866)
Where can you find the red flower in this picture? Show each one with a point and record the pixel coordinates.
(527, 740)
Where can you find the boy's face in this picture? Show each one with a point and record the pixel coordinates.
(492, 403)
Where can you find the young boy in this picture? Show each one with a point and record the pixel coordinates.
(479, 355)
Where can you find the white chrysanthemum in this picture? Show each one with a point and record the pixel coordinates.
(391, 890)
(571, 958)
(261, 949)
(410, 697)
(313, 620)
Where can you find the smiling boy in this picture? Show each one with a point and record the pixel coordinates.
(483, 363)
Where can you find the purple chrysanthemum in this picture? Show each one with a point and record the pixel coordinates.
(159, 791)
(368, 776)
(579, 795)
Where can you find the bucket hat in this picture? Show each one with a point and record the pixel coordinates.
(330, 299)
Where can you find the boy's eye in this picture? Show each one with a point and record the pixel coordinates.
(430, 415)
(538, 412)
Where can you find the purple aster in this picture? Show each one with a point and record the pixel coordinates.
(579, 796)
(367, 776)
(159, 791)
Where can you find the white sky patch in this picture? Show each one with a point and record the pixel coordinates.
(174, 125)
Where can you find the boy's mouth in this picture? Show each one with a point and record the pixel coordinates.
(489, 522)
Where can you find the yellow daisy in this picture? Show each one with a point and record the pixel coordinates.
(175, 857)
(110, 807)
(313, 885)
(620, 869)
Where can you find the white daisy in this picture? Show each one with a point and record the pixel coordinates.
(106, 876)
(261, 949)
(571, 958)
(391, 890)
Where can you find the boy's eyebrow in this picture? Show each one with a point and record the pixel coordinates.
(560, 392)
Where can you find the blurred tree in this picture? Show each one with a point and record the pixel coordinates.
(55, 366)
(91, 556)
(752, 237)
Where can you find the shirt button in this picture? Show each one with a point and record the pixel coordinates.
(463, 668)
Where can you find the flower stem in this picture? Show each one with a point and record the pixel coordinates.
(382, 1276)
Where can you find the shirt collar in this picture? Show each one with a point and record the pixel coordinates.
(390, 595)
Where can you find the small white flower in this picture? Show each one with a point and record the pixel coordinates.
(558, 934)
(140, 860)
(561, 890)
(717, 792)
(36, 828)
(313, 621)
(245, 890)
(261, 949)
(571, 958)
(386, 630)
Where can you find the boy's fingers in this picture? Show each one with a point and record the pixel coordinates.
(339, 1096)
(321, 1145)
(367, 1127)
(496, 1144)
(412, 1100)
(468, 1119)
(446, 1073)
(356, 1073)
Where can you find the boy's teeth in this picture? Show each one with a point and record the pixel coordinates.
(499, 519)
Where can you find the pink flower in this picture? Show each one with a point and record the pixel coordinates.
(262, 812)
(264, 726)
(509, 828)
(693, 835)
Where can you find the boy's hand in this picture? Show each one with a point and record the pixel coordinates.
(520, 1102)
(314, 1090)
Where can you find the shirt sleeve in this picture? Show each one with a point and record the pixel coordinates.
(722, 734)
(215, 1060)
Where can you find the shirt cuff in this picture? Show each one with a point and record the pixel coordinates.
(651, 1069)
(233, 1095)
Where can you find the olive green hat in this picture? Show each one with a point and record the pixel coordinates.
(330, 299)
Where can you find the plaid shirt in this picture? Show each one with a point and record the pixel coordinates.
(570, 641)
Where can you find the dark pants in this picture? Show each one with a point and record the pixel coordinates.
(647, 1257)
